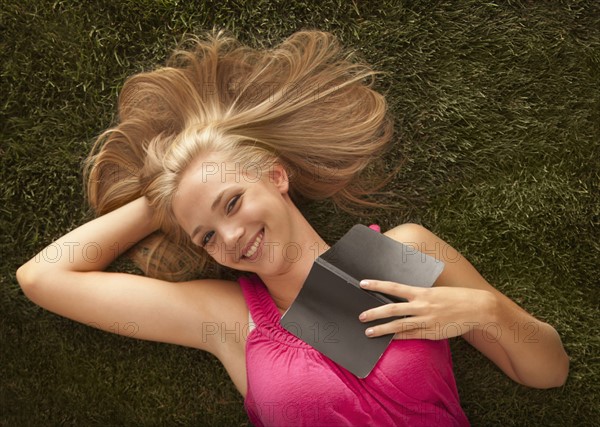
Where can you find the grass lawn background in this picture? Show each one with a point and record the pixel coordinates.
(497, 109)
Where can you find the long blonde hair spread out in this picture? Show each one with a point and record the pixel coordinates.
(305, 103)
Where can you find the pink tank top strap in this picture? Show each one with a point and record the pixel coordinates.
(262, 308)
(375, 227)
(265, 314)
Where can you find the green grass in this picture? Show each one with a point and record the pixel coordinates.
(497, 106)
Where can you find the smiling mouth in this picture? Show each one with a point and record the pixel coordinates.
(251, 250)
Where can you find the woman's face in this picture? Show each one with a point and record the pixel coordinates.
(239, 213)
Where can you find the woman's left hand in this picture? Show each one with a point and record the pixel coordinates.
(433, 313)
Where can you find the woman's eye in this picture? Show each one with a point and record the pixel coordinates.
(207, 238)
(232, 203)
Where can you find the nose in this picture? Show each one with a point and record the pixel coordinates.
(231, 234)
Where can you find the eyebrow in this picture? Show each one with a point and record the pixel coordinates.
(214, 205)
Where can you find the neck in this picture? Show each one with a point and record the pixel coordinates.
(285, 286)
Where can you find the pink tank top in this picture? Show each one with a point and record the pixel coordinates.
(292, 384)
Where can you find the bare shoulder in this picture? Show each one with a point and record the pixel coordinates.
(457, 271)
(425, 241)
(410, 234)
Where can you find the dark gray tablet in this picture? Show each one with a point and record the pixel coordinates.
(325, 312)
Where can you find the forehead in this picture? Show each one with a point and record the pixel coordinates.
(203, 180)
(217, 168)
(211, 168)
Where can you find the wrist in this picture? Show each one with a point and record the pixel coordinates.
(144, 215)
(486, 309)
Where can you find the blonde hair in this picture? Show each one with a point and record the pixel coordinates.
(305, 103)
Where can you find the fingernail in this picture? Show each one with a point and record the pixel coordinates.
(362, 316)
(364, 283)
(369, 332)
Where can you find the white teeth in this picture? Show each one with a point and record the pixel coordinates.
(254, 246)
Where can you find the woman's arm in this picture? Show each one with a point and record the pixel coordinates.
(67, 279)
(463, 303)
(94, 245)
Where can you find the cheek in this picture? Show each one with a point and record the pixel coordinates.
(212, 250)
(216, 252)
(255, 208)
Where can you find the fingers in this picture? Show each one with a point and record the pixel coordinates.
(408, 329)
(390, 288)
(388, 310)
(402, 328)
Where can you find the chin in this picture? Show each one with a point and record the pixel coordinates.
(268, 267)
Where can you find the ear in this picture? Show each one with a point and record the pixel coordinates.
(278, 176)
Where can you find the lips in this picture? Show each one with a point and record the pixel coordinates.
(250, 251)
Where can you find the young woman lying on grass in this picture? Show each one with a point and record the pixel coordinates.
(206, 166)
